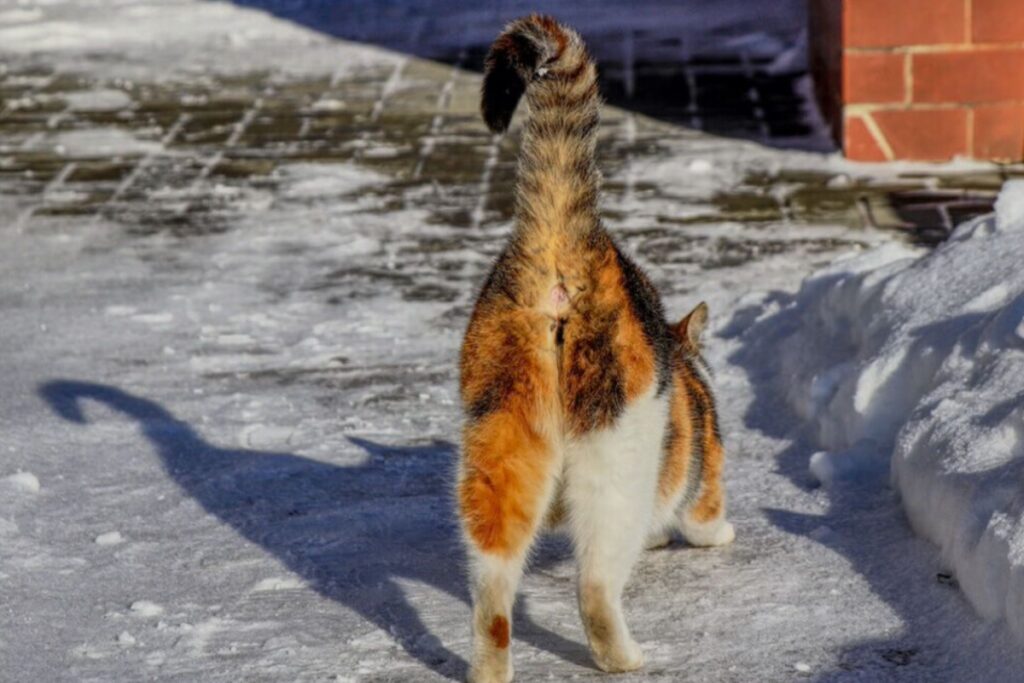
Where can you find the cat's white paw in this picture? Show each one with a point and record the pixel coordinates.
(658, 539)
(626, 657)
(491, 665)
(491, 674)
(718, 532)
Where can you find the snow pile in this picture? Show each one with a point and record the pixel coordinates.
(916, 362)
(146, 608)
(110, 538)
(22, 481)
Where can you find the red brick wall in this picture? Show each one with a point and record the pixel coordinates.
(921, 79)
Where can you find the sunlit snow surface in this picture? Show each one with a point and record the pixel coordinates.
(923, 357)
(226, 453)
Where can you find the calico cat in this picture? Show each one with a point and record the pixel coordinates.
(584, 406)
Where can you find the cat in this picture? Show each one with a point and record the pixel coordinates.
(583, 406)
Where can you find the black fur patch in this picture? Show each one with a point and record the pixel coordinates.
(671, 436)
(485, 404)
(511, 58)
(707, 404)
(599, 399)
(501, 385)
(698, 420)
(647, 307)
(502, 281)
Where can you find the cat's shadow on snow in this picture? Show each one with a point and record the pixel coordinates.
(351, 532)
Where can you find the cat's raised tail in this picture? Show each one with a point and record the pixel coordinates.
(558, 178)
(530, 51)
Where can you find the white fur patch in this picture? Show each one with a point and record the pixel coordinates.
(610, 486)
(715, 532)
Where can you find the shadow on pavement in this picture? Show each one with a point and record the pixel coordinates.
(730, 67)
(351, 533)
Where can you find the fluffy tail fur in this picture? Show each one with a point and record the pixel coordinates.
(558, 179)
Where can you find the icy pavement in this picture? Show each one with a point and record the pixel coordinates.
(238, 258)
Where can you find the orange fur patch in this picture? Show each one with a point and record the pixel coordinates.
(711, 501)
(549, 24)
(505, 469)
(635, 355)
(499, 632)
(676, 466)
(632, 349)
(506, 457)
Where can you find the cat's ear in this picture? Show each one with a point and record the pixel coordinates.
(690, 328)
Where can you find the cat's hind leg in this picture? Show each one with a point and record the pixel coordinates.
(506, 482)
(610, 481)
(658, 538)
(703, 523)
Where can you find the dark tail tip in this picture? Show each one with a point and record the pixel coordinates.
(511, 64)
(65, 398)
(503, 88)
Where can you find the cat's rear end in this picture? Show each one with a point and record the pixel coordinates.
(570, 374)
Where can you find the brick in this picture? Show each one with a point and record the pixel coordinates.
(968, 76)
(858, 142)
(999, 132)
(894, 23)
(874, 77)
(924, 134)
(997, 21)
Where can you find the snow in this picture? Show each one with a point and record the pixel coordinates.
(110, 538)
(25, 482)
(145, 608)
(278, 583)
(915, 364)
(100, 142)
(1010, 208)
(173, 39)
(18, 16)
(327, 182)
(97, 100)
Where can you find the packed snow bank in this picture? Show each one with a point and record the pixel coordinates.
(22, 481)
(916, 361)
